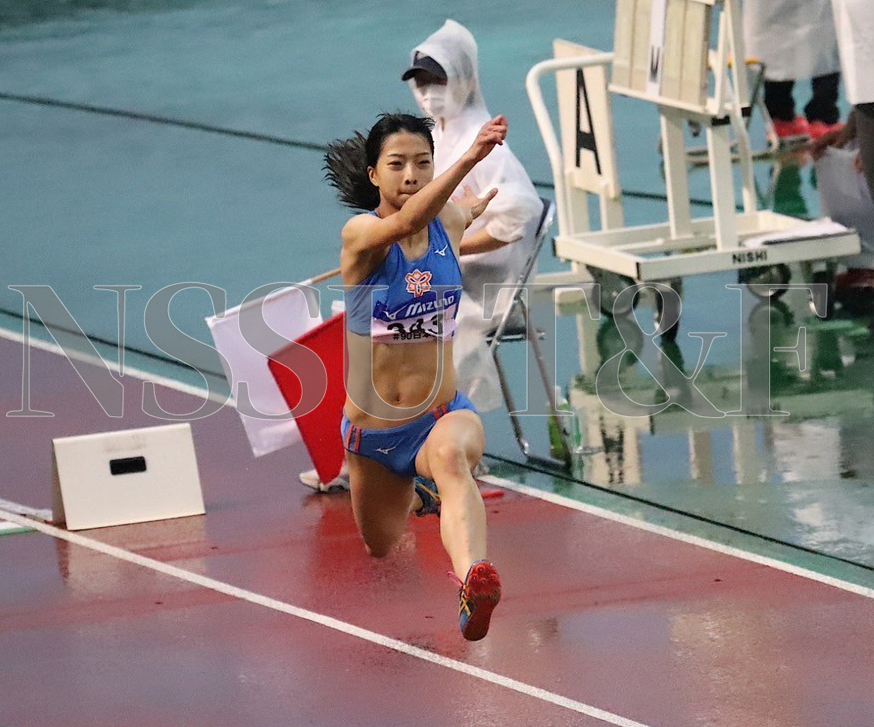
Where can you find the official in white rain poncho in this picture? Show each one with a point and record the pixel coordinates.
(445, 82)
(845, 179)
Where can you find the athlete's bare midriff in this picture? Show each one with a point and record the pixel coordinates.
(404, 376)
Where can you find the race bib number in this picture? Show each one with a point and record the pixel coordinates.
(415, 321)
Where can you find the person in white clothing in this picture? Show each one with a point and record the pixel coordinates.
(444, 78)
(854, 20)
(795, 39)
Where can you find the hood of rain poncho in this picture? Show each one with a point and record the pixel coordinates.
(513, 214)
(454, 48)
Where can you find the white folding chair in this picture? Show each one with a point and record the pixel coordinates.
(515, 325)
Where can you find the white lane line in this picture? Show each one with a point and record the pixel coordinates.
(322, 620)
(529, 491)
(31, 512)
(136, 373)
(677, 535)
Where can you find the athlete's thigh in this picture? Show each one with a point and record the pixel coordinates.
(379, 496)
(462, 429)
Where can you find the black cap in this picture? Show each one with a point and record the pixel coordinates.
(423, 63)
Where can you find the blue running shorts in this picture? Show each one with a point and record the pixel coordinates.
(395, 448)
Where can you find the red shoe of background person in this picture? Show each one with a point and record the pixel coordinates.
(817, 129)
(791, 129)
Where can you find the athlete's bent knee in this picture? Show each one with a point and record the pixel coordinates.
(450, 457)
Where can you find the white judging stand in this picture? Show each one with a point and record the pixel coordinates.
(131, 476)
(663, 56)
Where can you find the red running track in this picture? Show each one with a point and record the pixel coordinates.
(631, 622)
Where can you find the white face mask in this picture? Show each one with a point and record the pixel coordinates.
(432, 100)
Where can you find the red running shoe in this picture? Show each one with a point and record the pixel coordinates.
(477, 597)
(791, 129)
(817, 129)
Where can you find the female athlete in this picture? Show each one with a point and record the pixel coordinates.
(403, 417)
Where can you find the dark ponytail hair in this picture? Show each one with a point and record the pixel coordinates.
(347, 160)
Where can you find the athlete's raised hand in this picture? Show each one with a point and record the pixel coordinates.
(472, 204)
(493, 132)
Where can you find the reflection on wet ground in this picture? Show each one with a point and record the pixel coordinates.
(758, 416)
(770, 433)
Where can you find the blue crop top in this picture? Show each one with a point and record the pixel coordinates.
(402, 305)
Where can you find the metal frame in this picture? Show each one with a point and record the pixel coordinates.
(697, 155)
(507, 332)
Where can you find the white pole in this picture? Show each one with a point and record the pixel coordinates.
(547, 130)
